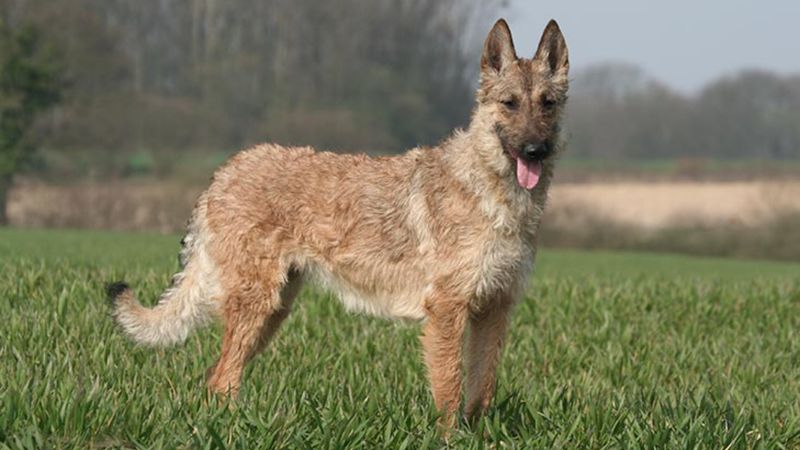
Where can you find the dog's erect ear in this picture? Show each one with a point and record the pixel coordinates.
(498, 50)
(553, 49)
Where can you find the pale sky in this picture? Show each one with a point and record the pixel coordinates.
(683, 43)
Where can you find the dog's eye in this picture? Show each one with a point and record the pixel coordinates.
(548, 103)
(510, 103)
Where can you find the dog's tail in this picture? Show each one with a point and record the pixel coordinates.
(190, 301)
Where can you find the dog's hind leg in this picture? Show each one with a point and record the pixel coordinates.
(289, 291)
(252, 313)
(484, 345)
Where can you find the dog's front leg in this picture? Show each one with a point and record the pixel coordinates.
(484, 344)
(441, 342)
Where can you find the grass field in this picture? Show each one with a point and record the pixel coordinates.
(608, 350)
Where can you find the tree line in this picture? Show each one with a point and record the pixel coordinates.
(165, 75)
(184, 76)
(616, 111)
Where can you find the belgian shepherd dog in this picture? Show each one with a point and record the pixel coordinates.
(445, 235)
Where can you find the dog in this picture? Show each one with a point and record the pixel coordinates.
(446, 235)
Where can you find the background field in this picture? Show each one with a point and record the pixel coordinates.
(608, 350)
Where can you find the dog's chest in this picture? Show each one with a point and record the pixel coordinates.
(507, 254)
(504, 265)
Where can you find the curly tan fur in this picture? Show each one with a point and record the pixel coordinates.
(444, 234)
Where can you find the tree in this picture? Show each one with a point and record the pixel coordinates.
(753, 114)
(28, 85)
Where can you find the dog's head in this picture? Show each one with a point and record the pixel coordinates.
(522, 98)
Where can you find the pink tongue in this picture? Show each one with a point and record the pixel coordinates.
(528, 173)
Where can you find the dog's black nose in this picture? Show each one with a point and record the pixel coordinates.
(533, 151)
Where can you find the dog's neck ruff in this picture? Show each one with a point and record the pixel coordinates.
(476, 160)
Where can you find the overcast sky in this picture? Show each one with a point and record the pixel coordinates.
(684, 43)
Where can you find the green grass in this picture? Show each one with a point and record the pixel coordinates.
(608, 350)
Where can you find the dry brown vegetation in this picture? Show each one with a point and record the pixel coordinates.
(117, 205)
(666, 204)
(758, 219)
